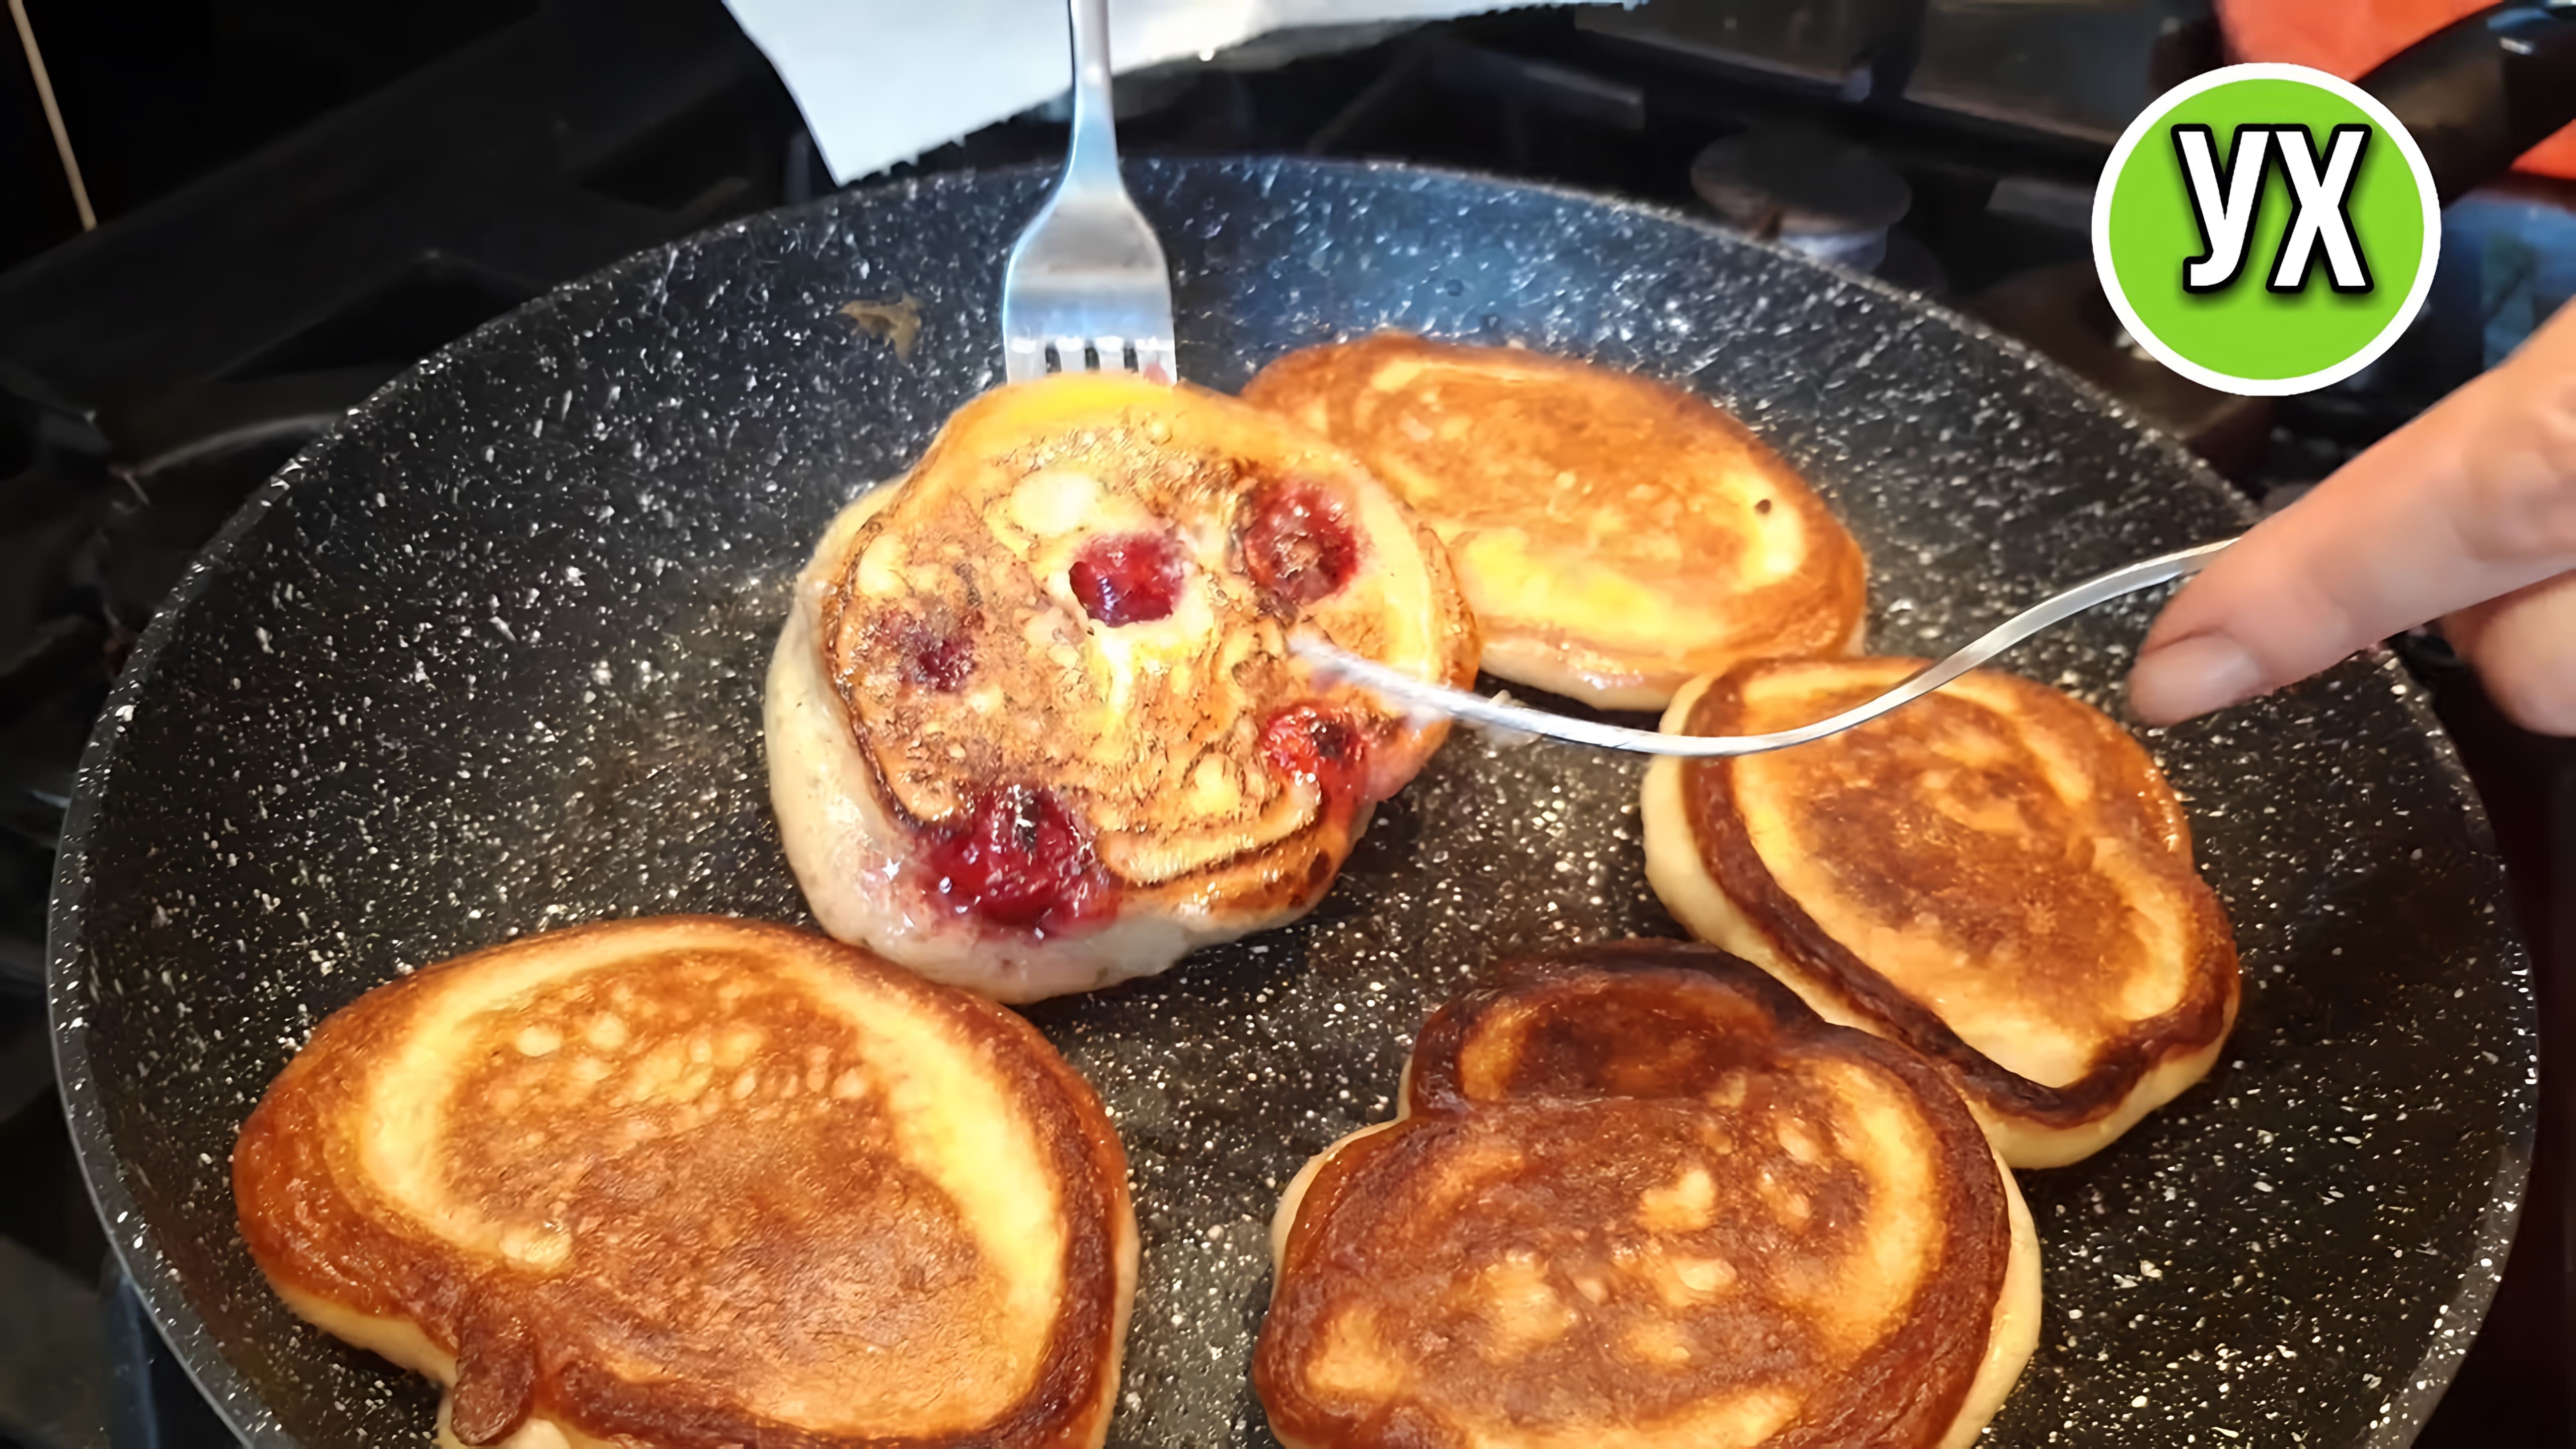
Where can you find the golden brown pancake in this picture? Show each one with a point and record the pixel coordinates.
(1641, 1196)
(1616, 536)
(696, 1182)
(1033, 724)
(1996, 876)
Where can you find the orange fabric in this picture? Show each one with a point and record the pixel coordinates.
(2350, 37)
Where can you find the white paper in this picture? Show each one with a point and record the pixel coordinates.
(881, 81)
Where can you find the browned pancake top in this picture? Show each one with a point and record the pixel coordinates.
(677, 1193)
(1750, 1228)
(1626, 520)
(1619, 1019)
(1997, 851)
(1086, 589)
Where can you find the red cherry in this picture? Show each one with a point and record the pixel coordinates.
(1017, 859)
(1298, 544)
(937, 660)
(1320, 745)
(934, 650)
(1130, 578)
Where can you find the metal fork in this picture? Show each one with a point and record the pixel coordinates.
(1424, 695)
(1087, 289)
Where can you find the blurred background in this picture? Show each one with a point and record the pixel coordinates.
(224, 222)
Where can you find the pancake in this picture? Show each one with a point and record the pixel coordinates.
(1616, 536)
(1033, 725)
(1996, 876)
(694, 1182)
(1640, 1196)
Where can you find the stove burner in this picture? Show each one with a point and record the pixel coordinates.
(1819, 195)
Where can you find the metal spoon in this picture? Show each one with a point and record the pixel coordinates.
(1422, 694)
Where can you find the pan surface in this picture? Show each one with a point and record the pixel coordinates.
(488, 659)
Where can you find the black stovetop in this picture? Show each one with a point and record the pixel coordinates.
(152, 373)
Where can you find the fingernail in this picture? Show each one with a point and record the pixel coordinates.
(2193, 676)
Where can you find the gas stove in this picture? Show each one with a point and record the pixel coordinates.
(154, 372)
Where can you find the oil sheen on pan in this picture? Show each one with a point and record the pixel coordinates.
(489, 660)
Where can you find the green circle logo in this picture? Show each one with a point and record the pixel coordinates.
(2266, 229)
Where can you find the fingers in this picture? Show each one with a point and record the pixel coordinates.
(2524, 648)
(2194, 676)
(2471, 501)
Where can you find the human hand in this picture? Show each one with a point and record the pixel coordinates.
(2467, 514)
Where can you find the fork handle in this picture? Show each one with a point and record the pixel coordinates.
(1092, 157)
(1404, 688)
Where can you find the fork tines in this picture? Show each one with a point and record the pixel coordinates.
(1087, 289)
(1036, 356)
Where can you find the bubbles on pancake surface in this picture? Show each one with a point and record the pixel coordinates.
(1589, 1246)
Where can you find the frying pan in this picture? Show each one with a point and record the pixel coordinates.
(487, 660)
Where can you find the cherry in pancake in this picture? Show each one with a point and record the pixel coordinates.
(1615, 536)
(696, 1182)
(1034, 724)
(1748, 1227)
(1997, 876)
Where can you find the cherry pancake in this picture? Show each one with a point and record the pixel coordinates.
(1616, 536)
(1996, 875)
(1640, 1196)
(693, 1182)
(1034, 726)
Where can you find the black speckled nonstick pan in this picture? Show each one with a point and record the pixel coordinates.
(488, 659)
